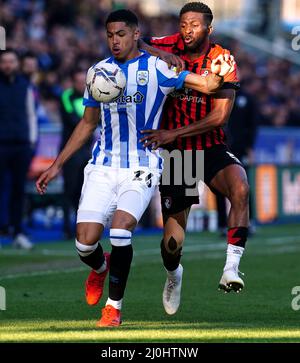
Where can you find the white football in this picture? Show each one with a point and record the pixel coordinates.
(105, 82)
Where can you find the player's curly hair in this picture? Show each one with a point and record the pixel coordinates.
(123, 15)
(198, 7)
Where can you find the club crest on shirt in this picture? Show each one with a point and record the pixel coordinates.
(204, 73)
(142, 78)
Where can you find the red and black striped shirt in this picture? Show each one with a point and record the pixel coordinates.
(186, 106)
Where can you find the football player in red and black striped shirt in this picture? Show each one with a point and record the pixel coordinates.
(194, 121)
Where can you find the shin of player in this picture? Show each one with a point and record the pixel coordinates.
(233, 184)
(171, 252)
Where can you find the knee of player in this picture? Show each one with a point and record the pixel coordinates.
(126, 225)
(172, 245)
(123, 220)
(86, 237)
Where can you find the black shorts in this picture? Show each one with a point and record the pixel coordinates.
(174, 197)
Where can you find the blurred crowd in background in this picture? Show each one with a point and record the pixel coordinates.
(57, 36)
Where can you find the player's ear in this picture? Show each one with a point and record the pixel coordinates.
(137, 34)
(210, 29)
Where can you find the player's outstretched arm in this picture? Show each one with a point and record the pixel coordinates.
(80, 135)
(208, 85)
(220, 67)
(171, 59)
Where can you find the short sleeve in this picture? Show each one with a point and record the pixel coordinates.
(231, 81)
(88, 100)
(168, 78)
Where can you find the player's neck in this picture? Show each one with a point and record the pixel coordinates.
(195, 54)
(133, 54)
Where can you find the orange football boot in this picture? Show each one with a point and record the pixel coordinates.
(95, 283)
(110, 317)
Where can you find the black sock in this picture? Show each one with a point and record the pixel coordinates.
(171, 260)
(120, 261)
(94, 259)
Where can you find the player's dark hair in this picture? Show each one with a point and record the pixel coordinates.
(198, 7)
(124, 15)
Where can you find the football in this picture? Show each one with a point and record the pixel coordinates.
(105, 82)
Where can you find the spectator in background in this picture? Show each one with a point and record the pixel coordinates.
(240, 131)
(29, 67)
(71, 113)
(18, 136)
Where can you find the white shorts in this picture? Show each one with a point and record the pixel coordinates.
(107, 189)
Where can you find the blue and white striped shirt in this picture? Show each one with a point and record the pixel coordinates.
(149, 81)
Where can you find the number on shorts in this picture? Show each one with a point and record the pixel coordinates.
(147, 179)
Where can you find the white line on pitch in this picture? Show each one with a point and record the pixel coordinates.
(43, 273)
(188, 247)
(152, 252)
(44, 252)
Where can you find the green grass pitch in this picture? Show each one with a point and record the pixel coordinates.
(45, 293)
